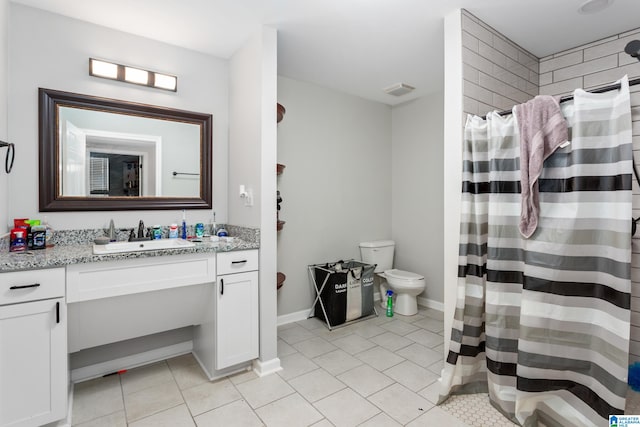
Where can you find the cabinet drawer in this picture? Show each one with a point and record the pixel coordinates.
(237, 261)
(31, 285)
(111, 279)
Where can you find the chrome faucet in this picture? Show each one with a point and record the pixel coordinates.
(141, 235)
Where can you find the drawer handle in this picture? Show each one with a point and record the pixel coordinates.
(239, 262)
(58, 312)
(221, 286)
(35, 285)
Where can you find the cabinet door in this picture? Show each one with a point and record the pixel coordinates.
(236, 319)
(33, 363)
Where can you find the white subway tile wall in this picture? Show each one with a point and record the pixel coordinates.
(499, 74)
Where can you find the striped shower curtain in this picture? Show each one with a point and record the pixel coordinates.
(542, 324)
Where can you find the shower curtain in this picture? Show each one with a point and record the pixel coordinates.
(542, 324)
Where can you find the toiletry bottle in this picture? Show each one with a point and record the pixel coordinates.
(157, 232)
(38, 235)
(184, 225)
(389, 303)
(173, 231)
(214, 228)
(25, 224)
(17, 240)
(199, 230)
(222, 232)
(30, 224)
(48, 233)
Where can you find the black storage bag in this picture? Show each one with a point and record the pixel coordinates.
(333, 295)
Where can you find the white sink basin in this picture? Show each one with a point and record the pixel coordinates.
(147, 245)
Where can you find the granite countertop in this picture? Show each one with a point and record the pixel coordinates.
(74, 247)
(60, 256)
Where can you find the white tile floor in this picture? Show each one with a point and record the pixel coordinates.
(378, 372)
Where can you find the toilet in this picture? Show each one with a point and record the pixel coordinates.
(406, 286)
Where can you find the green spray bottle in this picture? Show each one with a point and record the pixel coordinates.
(389, 303)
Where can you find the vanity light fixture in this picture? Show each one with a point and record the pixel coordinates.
(125, 73)
(136, 75)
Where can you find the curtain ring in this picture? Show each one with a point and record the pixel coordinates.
(10, 149)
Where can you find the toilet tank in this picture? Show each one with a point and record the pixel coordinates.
(379, 252)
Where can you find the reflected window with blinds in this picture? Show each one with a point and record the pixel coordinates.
(99, 176)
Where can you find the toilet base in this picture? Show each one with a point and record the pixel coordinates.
(405, 304)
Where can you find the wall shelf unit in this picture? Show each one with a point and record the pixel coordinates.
(279, 169)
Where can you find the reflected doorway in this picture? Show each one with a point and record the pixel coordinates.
(113, 174)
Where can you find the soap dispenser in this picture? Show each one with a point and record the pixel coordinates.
(112, 231)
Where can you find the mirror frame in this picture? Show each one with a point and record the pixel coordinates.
(49, 180)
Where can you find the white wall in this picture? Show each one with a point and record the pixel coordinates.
(336, 186)
(245, 131)
(269, 361)
(51, 51)
(252, 160)
(417, 193)
(4, 68)
(452, 176)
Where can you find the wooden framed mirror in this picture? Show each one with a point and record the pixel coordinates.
(101, 154)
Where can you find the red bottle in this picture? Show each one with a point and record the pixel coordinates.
(18, 242)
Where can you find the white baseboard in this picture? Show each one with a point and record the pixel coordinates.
(129, 362)
(422, 301)
(303, 314)
(293, 317)
(267, 367)
(429, 303)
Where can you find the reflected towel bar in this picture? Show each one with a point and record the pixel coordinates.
(184, 173)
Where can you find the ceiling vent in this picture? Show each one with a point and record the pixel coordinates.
(594, 6)
(398, 89)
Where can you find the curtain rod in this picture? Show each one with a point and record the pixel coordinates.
(565, 98)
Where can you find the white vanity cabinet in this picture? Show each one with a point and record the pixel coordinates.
(118, 300)
(33, 348)
(230, 335)
(236, 308)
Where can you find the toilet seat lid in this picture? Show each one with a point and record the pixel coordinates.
(402, 275)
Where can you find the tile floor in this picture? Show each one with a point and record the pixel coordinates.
(378, 372)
